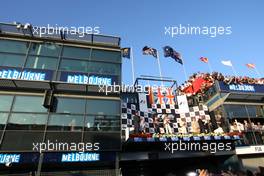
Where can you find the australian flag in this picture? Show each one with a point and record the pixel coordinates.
(170, 52)
(150, 51)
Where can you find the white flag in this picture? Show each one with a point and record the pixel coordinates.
(227, 63)
(183, 104)
(143, 102)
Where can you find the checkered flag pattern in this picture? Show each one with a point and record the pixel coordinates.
(176, 118)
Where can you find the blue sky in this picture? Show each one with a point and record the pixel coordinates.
(142, 22)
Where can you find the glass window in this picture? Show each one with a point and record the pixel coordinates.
(5, 102)
(104, 68)
(70, 105)
(29, 104)
(45, 49)
(242, 111)
(11, 60)
(22, 121)
(73, 52)
(254, 111)
(65, 122)
(3, 119)
(236, 111)
(13, 46)
(74, 65)
(210, 93)
(40, 62)
(89, 123)
(103, 107)
(106, 40)
(102, 123)
(115, 124)
(103, 55)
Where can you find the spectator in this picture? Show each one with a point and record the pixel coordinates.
(235, 128)
(136, 120)
(209, 80)
(166, 124)
(142, 125)
(219, 130)
(183, 128)
(201, 125)
(195, 126)
(156, 123)
(246, 125)
(259, 126)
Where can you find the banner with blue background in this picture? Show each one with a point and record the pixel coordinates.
(25, 74)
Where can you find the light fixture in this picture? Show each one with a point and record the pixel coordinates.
(192, 174)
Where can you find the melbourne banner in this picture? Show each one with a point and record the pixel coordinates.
(94, 79)
(250, 88)
(9, 158)
(57, 157)
(25, 74)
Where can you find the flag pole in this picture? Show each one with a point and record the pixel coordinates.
(185, 74)
(132, 65)
(159, 68)
(210, 67)
(258, 73)
(234, 71)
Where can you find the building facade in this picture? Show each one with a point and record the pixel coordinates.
(57, 119)
(241, 108)
(51, 102)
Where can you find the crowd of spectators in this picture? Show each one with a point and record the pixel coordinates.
(208, 80)
(259, 172)
(245, 126)
(163, 125)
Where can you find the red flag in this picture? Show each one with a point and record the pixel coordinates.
(204, 59)
(250, 65)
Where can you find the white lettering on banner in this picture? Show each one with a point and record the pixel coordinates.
(12, 158)
(25, 75)
(250, 149)
(83, 79)
(80, 157)
(246, 88)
